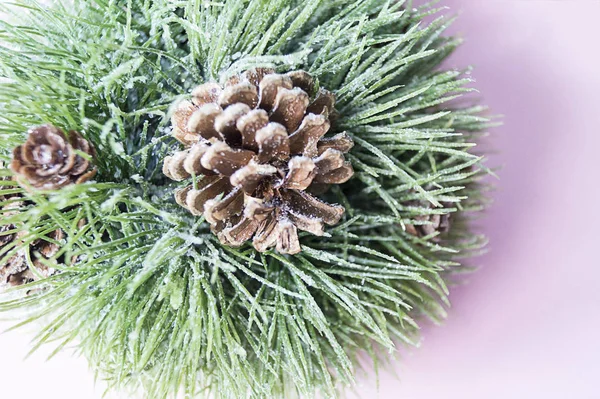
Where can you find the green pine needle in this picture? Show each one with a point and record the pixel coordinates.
(147, 292)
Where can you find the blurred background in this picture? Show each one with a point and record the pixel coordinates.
(527, 325)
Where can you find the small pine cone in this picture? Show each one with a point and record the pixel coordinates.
(48, 160)
(431, 223)
(15, 270)
(258, 143)
(16, 264)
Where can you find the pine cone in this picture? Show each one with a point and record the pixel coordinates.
(15, 270)
(432, 223)
(48, 159)
(258, 143)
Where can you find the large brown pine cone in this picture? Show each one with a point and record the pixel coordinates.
(48, 160)
(259, 145)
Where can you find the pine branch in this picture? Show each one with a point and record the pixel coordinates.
(149, 295)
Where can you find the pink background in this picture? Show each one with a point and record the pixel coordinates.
(527, 325)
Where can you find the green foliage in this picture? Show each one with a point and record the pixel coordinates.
(149, 295)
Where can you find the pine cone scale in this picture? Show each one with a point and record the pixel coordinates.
(224, 160)
(305, 204)
(249, 125)
(80, 164)
(206, 93)
(244, 93)
(270, 86)
(273, 143)
(287, 238)
(250, 176)
(196, 199)
(241, 231)
(226, 123)
(300, 175)
(174, 168)
(290, 108)
(302, 80)
(220, 210)
(337, 176)
(12, 272)
(341, 142)
(180, 119)
(192, 163)
(309, 224)
(306, 138)
(202, 123)
(69, 164)
(266, 234)
(323, 103)
(257, 208)
(329, 160)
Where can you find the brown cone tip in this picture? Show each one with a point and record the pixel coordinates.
(257, 146)
(50, 159)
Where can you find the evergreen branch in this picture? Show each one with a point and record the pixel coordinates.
(150, 297)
